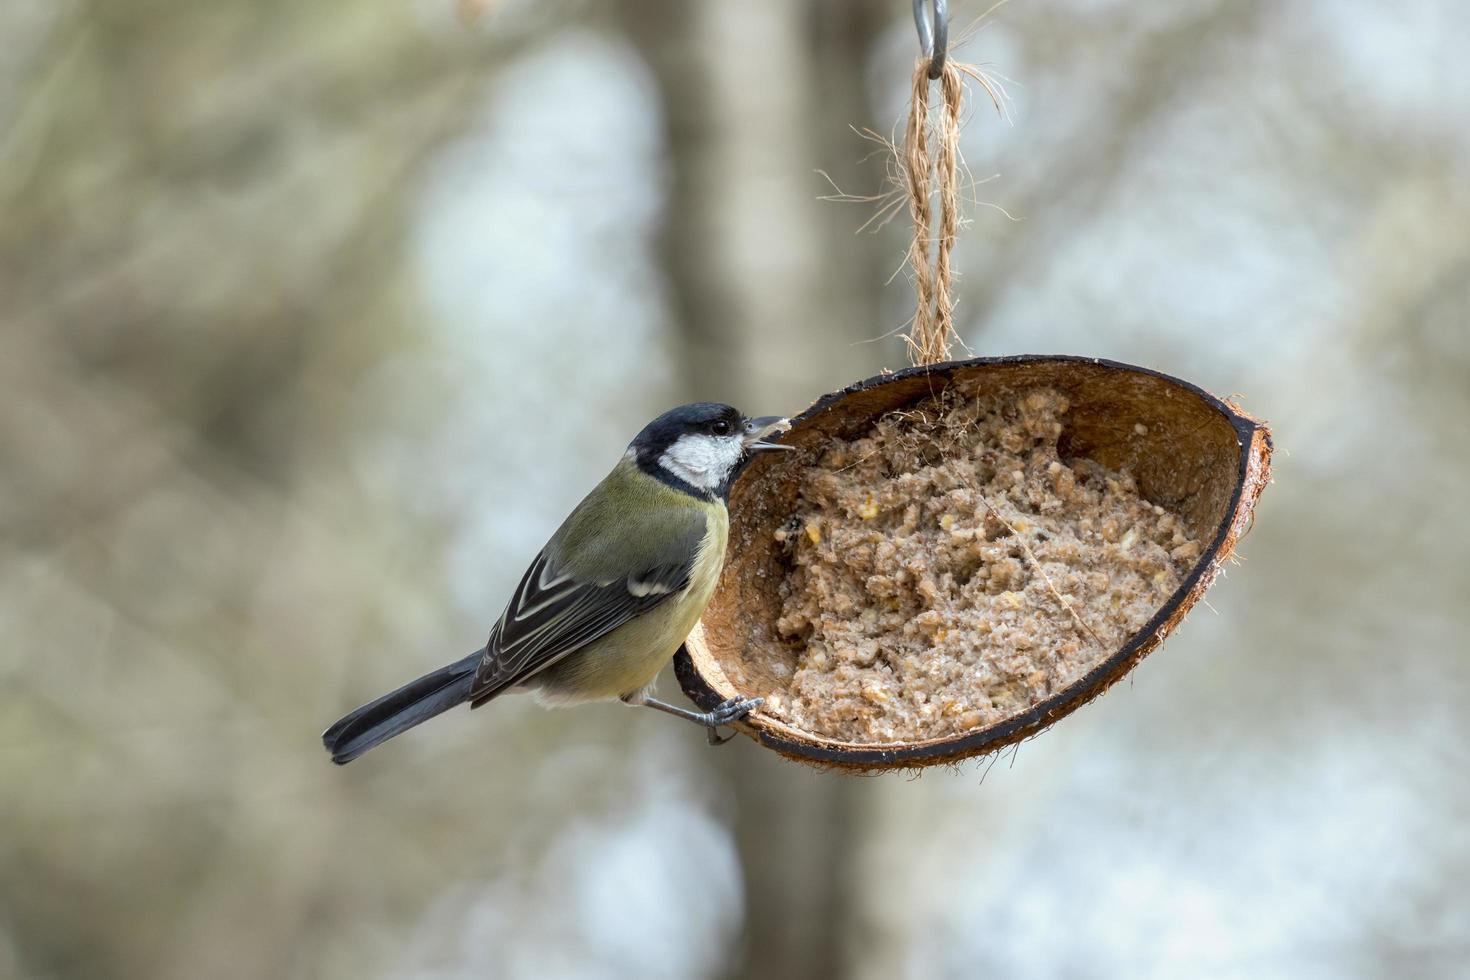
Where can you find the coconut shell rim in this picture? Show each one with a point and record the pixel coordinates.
(1255, 450)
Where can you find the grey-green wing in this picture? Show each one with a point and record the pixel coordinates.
(614, 558)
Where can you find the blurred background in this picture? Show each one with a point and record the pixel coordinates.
(315, 319)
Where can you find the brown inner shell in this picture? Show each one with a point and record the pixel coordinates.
(1182, 449)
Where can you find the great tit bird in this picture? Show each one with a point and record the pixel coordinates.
(611, 596)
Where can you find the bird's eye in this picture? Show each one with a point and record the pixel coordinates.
(721, 427)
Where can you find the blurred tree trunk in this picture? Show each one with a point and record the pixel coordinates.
(768, 324)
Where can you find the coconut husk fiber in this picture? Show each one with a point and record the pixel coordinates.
(1187, 454)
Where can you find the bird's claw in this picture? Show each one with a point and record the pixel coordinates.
(727, 711)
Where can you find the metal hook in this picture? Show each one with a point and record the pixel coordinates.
(933, 34)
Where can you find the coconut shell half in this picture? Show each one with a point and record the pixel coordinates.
(1189, 451)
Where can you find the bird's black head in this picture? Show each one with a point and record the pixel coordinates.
(698, 448)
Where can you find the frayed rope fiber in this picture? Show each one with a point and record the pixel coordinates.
(929, 339)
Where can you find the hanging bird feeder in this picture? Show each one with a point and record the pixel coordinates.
(958, 554)
(1093, 505)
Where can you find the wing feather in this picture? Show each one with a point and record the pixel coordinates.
(555, 611)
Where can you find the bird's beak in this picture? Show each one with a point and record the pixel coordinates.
(756, 431)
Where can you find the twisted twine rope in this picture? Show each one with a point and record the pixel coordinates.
(933, 326)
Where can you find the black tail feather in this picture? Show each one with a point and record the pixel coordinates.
(398, 711)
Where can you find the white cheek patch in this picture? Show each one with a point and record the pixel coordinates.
(702, 461)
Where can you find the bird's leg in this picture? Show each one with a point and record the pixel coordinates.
(723, 713)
